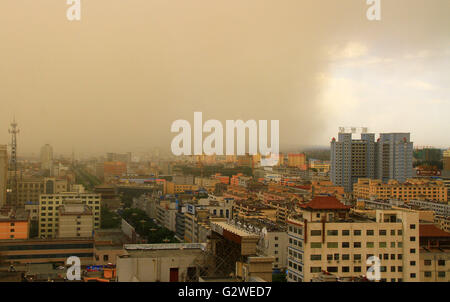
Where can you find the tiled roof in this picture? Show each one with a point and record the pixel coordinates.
(430, 230)
(325, 203)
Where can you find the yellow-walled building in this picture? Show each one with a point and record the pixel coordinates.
(412, 189)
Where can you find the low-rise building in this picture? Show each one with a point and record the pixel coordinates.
(434, 254)
(75, 220)
(14, 224)
(178, 262)
(412, 189)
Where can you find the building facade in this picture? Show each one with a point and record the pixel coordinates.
(412, 189)
(352, 159)
(49, 215)
(394, 157)
(47, 158)
(388, 158)
(326, 236)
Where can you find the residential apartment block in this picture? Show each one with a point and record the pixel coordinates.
(327, 236)
(390, 157)
(412, 189)
(49, 214)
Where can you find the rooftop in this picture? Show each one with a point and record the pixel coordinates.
(430, 230)
(324, 203)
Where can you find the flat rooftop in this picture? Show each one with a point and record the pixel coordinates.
(232, 229)
(165, 246)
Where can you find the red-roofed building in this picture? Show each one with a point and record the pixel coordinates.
(433, 237)
(434, 254)
(324, 203)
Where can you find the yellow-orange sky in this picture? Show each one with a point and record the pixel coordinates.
(116, 80)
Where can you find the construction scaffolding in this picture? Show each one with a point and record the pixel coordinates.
(226, 246)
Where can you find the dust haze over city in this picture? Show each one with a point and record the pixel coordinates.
(239, 148)
(117, 80)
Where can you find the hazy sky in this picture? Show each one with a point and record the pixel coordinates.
(116, 80)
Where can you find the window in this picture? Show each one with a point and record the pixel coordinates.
(383, 244)
(428, 274)
(345, 269)
(357, 232)
(316, 233)
(332, 269)
(412, 227)
(370, 244)
(356, 244)
(412, 251)
(427, 262)
(441, 274)
(412, 263)
(370, 232)
(345, 257)
(316, 269)
(357, 269)
(412, 275)
(412, 238)
(357, 257)
(345, 244)
(105, 258)
(441, 262)
(332, 232)
(316, 245)
(316, 257)
(332, 245)
(345, 233)
(382, 232)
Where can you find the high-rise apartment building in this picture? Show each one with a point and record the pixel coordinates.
(388, 158)
(326, 236)
(394, 157)
(47, 158)
(352, 159)
(446, 159)
(3, 173)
